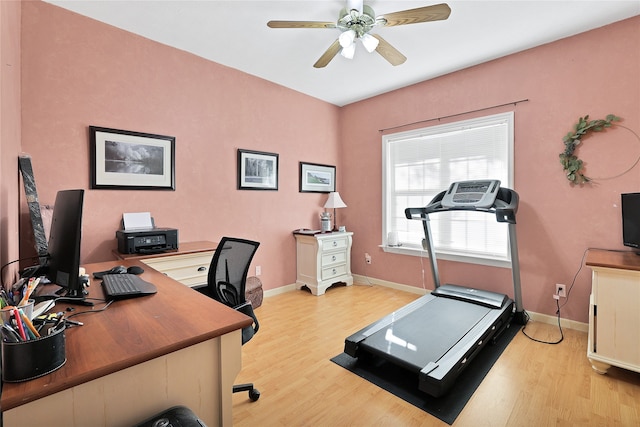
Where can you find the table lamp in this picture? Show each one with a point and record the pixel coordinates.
(334, 201)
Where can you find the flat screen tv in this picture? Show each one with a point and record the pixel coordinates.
(65, 237)
(631, 220)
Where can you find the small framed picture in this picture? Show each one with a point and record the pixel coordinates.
(315, 178)
(127, 160)
(257, 170)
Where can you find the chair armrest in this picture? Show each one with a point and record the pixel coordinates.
(247, 308)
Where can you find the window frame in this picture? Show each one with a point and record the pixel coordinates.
(412, 250)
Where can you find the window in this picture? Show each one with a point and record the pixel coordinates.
(419, 164)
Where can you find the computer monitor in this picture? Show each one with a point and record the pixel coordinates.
(631, 220)
(65, 236)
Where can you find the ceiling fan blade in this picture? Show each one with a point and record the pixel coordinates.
(436, 12)
(389, 52)
(300, 24)
(328, 55)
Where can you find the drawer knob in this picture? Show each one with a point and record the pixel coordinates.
(335, 243)
(335, 271)
(333, 258)
(202, 268)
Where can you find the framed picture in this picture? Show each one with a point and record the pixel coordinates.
(126, 160)
(257, 170)
(315, 178)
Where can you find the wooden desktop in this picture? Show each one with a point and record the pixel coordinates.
(138, 357)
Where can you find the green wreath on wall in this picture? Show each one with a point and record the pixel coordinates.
(571, 164)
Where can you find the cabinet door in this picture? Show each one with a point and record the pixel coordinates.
(617, 314)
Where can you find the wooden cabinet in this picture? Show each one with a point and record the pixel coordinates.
(188, 265)
(188, 269)
(614, 310)
(323, 260)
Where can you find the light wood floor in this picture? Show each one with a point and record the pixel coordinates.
(532, 384)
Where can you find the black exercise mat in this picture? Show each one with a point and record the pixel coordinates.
(404, 384)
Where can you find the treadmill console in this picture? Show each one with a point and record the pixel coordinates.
(471, 194)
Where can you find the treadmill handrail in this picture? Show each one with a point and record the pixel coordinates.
(505, 207)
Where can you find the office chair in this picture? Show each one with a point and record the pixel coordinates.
(226, 283)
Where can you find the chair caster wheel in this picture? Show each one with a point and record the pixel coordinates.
(254, 394)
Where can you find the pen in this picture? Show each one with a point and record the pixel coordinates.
(33, 282)
(5, 297)
(29, 324)
(16, 315)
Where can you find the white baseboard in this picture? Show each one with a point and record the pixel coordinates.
(365, 280)
(280, 290)
(553, 320)
(359, 280)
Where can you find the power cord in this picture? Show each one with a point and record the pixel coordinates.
(558, 305)
(542, 341)
(31, 258)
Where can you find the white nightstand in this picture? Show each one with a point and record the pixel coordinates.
(322, 260)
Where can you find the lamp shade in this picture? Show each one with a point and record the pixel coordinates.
(347, 38)
(370, 43)
(334, 201)
(348, 51)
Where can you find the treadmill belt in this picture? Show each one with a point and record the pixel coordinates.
(426, 334)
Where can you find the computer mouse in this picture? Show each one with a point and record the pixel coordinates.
(120, 269)
(134, 269)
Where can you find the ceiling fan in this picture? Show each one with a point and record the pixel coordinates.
(357, 19)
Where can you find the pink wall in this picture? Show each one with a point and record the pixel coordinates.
(594, 73)
(10, 13)
(78, 72)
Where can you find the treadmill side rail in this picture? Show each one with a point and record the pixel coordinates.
(436, 381)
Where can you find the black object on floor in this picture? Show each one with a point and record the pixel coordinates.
(404, 384)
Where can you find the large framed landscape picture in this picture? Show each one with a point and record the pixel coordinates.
(122, 159)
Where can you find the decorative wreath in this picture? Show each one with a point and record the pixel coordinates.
(571, 164)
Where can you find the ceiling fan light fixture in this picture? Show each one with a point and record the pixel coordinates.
(369, 42)
(348, 51)
(346, 38)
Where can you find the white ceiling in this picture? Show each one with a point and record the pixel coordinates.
(235, 33)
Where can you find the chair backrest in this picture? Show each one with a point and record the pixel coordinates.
(227, 276)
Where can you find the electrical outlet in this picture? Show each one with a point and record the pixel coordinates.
(367, 258)
(561, 290)
(258, 270)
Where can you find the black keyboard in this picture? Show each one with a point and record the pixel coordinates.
(126, 285)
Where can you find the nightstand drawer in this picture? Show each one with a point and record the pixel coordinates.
(331, 272)
(334, 258)
(188, 269)
(335, 243)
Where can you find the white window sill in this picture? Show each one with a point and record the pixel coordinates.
(412, 251)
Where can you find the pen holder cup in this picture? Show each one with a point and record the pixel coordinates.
(23, 361)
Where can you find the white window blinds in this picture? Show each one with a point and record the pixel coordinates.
(419, 164)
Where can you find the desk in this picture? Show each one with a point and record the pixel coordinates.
(137, 358)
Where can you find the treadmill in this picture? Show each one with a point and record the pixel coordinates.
(437, 335)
